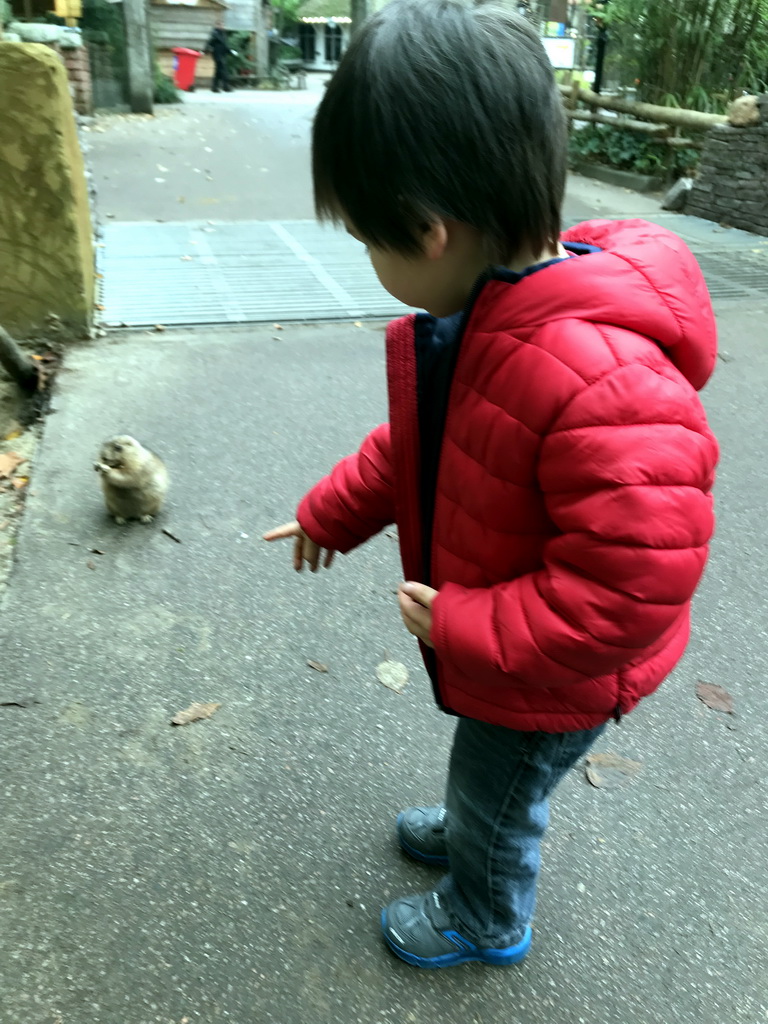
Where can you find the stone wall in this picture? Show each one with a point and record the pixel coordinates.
(732, 185)
(78, 67)
(46, 247)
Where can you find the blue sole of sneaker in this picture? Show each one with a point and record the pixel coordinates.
(493, 957)
(425, 858)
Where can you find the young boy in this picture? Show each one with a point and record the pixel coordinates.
(547, 461)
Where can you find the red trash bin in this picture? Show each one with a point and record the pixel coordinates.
(184, 64)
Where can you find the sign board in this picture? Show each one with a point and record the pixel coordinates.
(68, 8)
(561, 51)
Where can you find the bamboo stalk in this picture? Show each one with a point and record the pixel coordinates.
(659, 131)
(618, 122)
(650, 111)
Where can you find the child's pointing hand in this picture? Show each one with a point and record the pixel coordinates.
(304, 549)
(415, 602)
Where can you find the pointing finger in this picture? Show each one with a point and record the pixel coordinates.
(280, 532)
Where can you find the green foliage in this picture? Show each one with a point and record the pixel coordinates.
(165, 90)
(287, 14)
(629, 151)
(241, 59)
(102, 22)
(696, 54)
(286, 52)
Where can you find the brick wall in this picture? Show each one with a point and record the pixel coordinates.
(79, 73)
(732, 185)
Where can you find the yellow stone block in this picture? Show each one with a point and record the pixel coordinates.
(46, 242)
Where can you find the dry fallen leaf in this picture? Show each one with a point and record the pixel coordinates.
(13, 435)
(318, 666)
(715, 697)
(193, 713)
(20, 481)
(393, 675)
(8, 463)
(608, 770)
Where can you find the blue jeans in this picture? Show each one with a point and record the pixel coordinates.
(499, 783)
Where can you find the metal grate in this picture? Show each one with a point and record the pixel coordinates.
(258, 272)
(239, 272)
(734, 275)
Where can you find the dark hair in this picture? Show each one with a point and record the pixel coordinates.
(442, 109)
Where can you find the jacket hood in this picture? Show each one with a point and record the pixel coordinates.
(645, 279)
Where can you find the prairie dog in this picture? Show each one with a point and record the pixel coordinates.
(134, 479)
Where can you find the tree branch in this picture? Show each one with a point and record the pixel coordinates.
(16, 364)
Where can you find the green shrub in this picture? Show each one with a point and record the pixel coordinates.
(102, 23)
(629, 151)
(241, 60)
(287, 52)
(165, 90)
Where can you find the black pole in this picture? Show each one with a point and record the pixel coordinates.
(602, 42)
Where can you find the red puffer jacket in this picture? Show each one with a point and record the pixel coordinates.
(572, 510)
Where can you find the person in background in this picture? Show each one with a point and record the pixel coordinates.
(219, 49)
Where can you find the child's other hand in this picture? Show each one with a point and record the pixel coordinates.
(304, 549)
(415, 602)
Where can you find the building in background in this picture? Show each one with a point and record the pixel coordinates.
(186, 23)
(324, 31)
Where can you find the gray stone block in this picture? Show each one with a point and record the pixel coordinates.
(676, 197)
(728, 160)
(734, 187)
(748, 225)
(732, 180)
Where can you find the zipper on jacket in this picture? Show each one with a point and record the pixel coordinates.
(427, 484)
(428, 489)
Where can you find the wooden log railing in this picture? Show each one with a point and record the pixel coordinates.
(663, 123)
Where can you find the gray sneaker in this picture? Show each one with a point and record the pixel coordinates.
(421, 833)
(419, 931)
